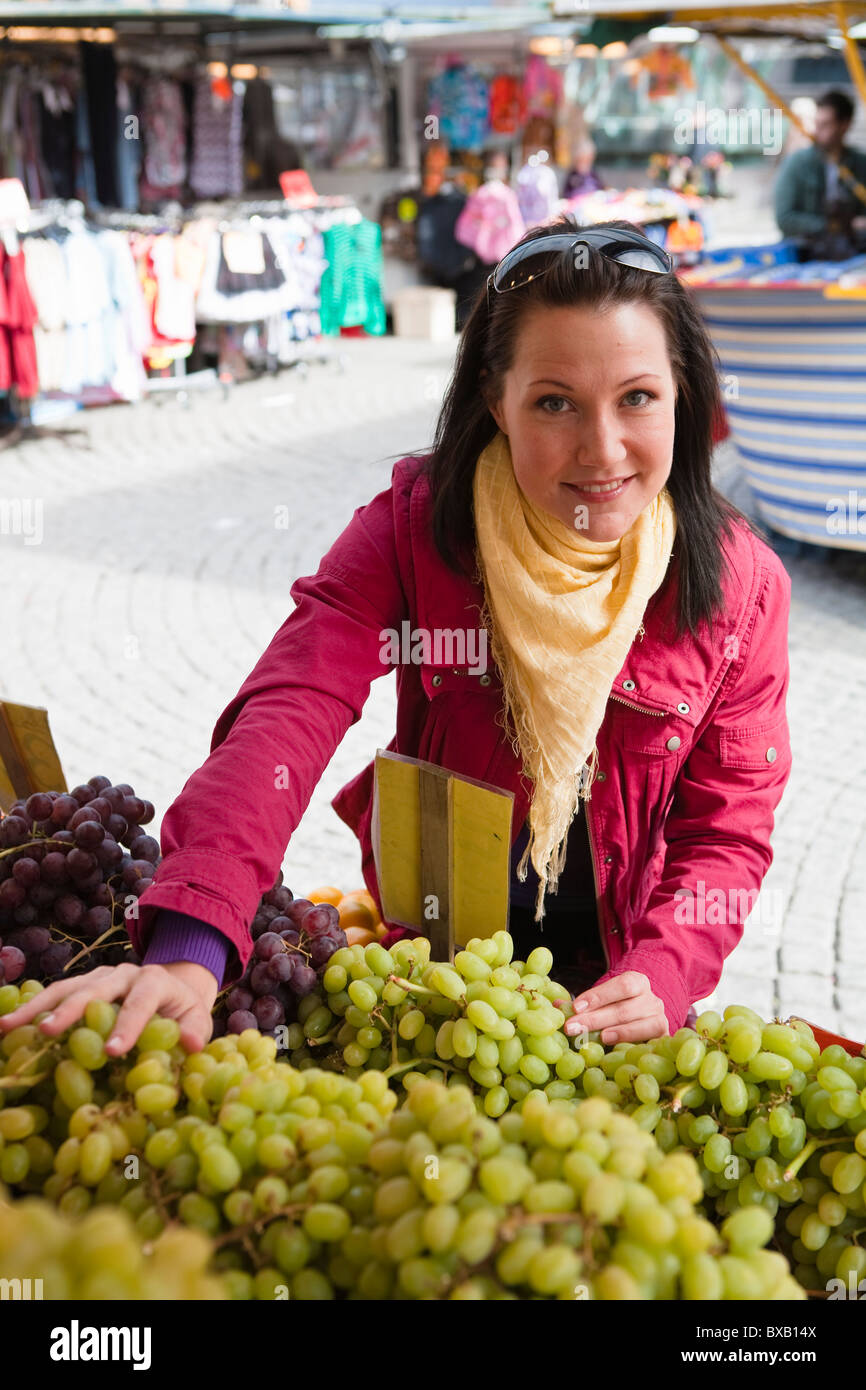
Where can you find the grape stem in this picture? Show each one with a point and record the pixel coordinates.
(410, 987)
(24, 1082)
(42, 840)
(93, 945)
(399, 1067)
(511, 1226)
(677, 1095)
(242, 1233)
(806, 1152)
(326, 1037)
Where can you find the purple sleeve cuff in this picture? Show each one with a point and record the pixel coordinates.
(179, 937)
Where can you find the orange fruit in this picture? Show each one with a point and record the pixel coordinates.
(363, 896)
(325, 895)
(354, 913)
(357, 936)
(381, 929)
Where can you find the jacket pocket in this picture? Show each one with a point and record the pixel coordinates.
(639, 732)
(759, 746)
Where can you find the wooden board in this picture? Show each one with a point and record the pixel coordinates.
(442, 847)
(28, 757)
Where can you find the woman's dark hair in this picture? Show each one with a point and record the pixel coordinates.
(486, 351)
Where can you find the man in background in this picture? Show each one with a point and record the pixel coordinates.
(814, 202)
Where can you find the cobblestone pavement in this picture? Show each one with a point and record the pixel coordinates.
(164, 570)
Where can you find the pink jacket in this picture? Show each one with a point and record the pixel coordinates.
(694, 750)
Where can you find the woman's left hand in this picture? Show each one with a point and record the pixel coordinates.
(623, 1009)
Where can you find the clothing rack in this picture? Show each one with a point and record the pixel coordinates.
(121, 221)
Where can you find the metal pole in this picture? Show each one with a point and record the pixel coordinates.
(856, 186)
(852, 52)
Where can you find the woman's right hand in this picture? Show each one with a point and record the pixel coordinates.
(182, 991)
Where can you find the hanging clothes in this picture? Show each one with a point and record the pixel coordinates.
(57, 136)
(543, 87)
(18, 366)
(217, 160)
(440, 254)
(352, 284)
(163, 124)
(127, 154)
(491, 221)
(507, 104)
(459, 97)
(46, 275)
(537, 193)
(100, 82)
(85, 171)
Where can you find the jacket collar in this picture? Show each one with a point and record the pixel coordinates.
(662, 674)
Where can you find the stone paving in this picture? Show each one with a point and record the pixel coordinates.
(164, 569)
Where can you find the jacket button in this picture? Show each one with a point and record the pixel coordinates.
(673, 744)
(437, 680)
(683, 708)
(608, 859)
(628, 685)
(485, 680)
(771, 755)
(616, 931)
(601, 776)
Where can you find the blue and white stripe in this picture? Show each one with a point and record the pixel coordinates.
(794, 369)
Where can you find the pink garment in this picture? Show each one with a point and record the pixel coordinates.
(543, 87)
(537, 193)
(490, 222)
(694, 746)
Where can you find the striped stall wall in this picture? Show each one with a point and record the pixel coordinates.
(795, 364)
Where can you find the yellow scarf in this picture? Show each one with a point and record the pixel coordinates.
(562, 612)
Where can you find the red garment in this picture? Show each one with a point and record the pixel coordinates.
(507, 104)
(690, 782)
(17, 320)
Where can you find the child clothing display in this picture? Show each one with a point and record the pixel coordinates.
(18, 366)
(460, 98)
(217, 160)
(542, 87)
(491, 221)
(440, 254)
(352, 283)
(90, 320)
(163, 125)
(537, 193)
(105, 303)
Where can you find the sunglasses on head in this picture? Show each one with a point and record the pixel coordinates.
(627, 248)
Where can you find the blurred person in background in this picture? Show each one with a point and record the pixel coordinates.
(582, 177)
(814, 201)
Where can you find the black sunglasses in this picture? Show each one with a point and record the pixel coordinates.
(618, 244)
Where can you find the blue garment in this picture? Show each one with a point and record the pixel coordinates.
(460, 98)
(86, 172)
(127, 150)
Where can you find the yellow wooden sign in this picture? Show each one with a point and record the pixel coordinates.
(442, 847)
(28, 758)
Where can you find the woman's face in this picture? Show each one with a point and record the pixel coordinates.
(588, 408)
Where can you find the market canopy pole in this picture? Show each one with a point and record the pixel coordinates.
(746, 68)
(852, 52)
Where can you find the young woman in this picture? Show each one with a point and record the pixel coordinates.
(635, 705)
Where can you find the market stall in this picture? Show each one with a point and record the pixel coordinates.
(791, 340)
(141, 172)
(385, 1102)
(789, 336)
(369, 1122)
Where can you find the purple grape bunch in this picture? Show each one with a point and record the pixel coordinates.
(293, 940)
(80, 856)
